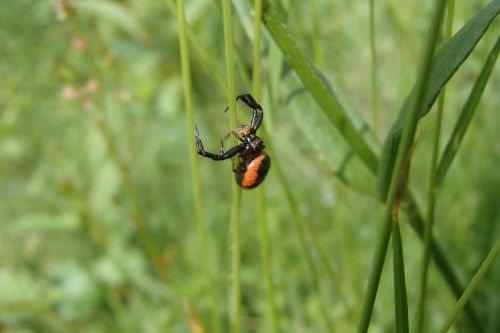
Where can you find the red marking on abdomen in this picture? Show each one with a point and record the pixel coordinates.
(252, 174)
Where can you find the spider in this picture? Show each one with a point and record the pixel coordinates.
(253, 161)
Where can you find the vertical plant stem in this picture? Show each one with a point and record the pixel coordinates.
(403, 148)
(431, 195)
(235, 308)
(195, 176)
(319, 60)
(263, 231)
(490, 258)
(204, 57)
(374, 75)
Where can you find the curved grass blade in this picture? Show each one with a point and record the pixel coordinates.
(490, 258)
(445, 63)
(466, 114)
(316, 86)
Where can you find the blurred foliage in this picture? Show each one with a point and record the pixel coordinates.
(96, 212)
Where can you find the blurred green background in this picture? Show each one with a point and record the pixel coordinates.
(97, 226)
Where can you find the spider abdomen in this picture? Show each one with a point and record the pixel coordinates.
(252, 170)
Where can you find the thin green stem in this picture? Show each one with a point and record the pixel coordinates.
(235, 307)
(316, 86)
(490, 258)
(195, 176)
(201, 52)
(432, 193)
(466, 114)
(263, 232)
(403, 148)
(256, 50)
(374, 75)
(400, 299)
(319, 59)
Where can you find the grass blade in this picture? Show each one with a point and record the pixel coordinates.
(466, 114)
(446, 62)
(431, 195)
(235, 307)
(406, 141)
(319, 59)
(472, 285)
(195, 175)
(263, 232)
(316, 86)
(400, 299)
(208, 63)
(374, 75)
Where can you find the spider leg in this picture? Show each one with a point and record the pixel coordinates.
(216, 157)
(258, 114)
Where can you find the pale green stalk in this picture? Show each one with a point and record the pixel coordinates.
(319, 59)
(201, 52)
(374, 75)
(235, 307)
(263, 231)
(195, 176)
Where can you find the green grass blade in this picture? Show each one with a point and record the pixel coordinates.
(488, 261)
(466, 114)
(439, 256)
(195, 175)
(316, 86)
(406, 141)
(431, 195)
(235, 306)
(319, 59)
(262, 220)
(445, 63)
(203, 56)
(400, 299)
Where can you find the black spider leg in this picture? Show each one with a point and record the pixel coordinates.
(216, 157)
(258, 114)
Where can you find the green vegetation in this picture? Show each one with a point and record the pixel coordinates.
(110, 221)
